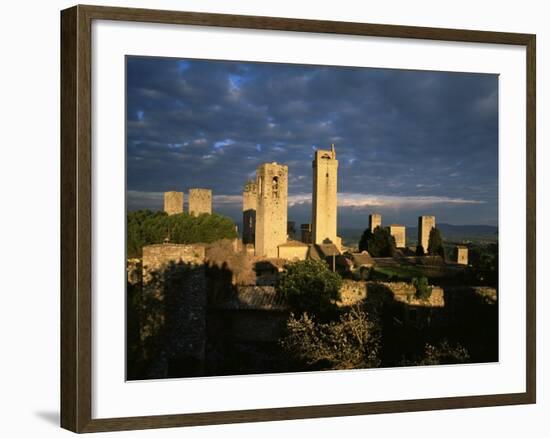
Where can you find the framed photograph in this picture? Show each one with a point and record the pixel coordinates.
(269, 218)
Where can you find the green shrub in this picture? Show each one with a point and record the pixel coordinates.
(423, 290)
(435, 243)
(309, 286)
(146, 227)
(379, 243)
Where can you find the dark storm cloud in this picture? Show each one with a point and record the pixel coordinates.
(408, 142)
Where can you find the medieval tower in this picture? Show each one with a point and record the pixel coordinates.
(425, 225)
(200, 201)
(375, 220)
(250, 193)
(271, 212)
(325, 176)
(173, 202)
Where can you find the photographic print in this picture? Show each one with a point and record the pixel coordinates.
(299, 218)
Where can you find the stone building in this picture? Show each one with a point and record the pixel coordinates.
(200, 201)
(375, 220)
(173, 202)
(398, 233)
(324, 209)
(250, 194)
(425, 225)
(462, 255)
(293, 250)
(305, 233)
(271, 213)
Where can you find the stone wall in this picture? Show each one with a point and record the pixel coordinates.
(293, 251)
(353, 292)
(173, 202)
(157, 257)
(174, 295)
(200, 201)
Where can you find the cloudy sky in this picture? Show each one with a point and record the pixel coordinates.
(408, 142)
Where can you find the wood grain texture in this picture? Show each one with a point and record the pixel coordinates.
(76, 222)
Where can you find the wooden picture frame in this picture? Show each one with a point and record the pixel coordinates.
(76, 217)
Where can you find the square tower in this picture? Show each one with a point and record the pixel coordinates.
(398, 233)
(305, 233)
(462, 255)
(200, 201)
(271, 212)
(375, 220)
(425, 225)
(250, 193)
(173, 202)
(325, 177)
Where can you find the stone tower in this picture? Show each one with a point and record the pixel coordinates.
(200, 201)
(325, 177)
(462, 255)
(398, 232)
(425, 225)
(250, 193)
(375, 220)
(173, 202)
(271, 213)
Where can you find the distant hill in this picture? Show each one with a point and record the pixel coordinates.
(454, 233)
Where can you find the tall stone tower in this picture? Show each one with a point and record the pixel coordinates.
(462, 255)
(375, 220)
(173, 202)
(271, 213)
(200, 201)
(425, 225)
(250, 193)
(325, 177)
(398, 232)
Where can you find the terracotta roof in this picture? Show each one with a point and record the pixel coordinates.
(328, 249)
(272, 263)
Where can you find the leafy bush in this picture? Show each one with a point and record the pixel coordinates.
(435, 243)
(146, 227)
(351, 342)
(423, 290)
(444, 353)
(309, 286)
(379, 243)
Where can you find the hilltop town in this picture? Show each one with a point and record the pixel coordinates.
(221, 307)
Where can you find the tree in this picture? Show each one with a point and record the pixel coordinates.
(381, 243)
(423, 290)
(444, 353)
(435, 243)
(364, 241)
(420, 250)
(310, 286)
(351, 342)
(146, 227)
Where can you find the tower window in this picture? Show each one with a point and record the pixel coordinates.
(275, 187)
